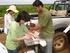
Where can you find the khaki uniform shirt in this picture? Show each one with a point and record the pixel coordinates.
(45, 20)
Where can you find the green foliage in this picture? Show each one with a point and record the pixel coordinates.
(3, 10)
(28, 8)
(49, 6)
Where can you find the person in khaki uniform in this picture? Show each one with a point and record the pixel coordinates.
(45, 26)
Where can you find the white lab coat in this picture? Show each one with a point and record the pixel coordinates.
(7, 21)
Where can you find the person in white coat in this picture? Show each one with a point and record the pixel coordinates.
(8, 17)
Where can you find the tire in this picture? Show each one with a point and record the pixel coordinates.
(68, 36)
(60, 41)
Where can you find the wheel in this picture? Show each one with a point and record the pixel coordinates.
(68, 36)
(60, 41)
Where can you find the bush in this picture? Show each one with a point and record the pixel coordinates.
(3, 10)
(28, 8)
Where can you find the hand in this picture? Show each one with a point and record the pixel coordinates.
(31, 28)
(27, 36)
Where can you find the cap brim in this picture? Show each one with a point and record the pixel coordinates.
(16, 11)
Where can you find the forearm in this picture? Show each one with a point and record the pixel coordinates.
(27, 36)
(19, 38)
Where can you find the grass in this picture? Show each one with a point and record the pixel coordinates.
(28, 8)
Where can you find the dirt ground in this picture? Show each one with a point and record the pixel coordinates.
(1, 22)
(2, 38)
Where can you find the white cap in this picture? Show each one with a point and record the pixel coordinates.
(13, 8)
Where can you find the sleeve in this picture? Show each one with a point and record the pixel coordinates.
(46, 19)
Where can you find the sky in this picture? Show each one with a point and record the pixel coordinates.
(9, 2)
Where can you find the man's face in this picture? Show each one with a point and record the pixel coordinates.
(38, 9)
